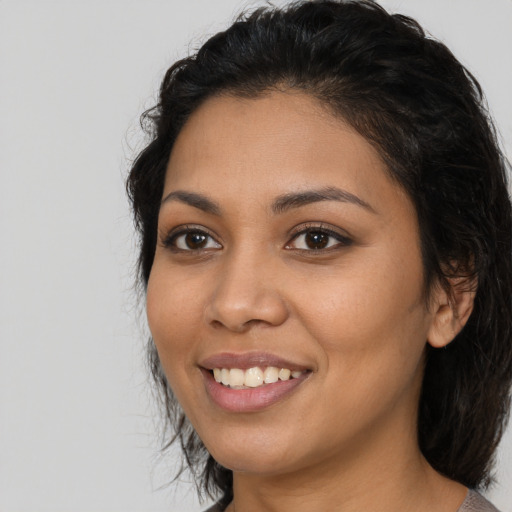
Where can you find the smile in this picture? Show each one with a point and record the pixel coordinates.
(237, 378)
(243, 398)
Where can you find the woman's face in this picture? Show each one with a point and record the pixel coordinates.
(283, 243)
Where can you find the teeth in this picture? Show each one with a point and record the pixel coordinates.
(253, 377)
(224, 376)
(236, 377)
(284, 374)
(271, 375)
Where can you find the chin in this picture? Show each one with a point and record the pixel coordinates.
(253, 463)
(257, 454)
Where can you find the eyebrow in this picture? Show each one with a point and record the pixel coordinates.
(292, 200)
(281, 204)
(193, 199)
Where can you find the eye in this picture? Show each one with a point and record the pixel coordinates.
(317, 239)
(191, 239)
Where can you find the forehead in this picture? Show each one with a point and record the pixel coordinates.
(243, 149)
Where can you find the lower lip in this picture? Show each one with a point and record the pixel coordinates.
(249, 400)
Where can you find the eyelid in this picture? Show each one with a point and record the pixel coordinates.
(344, 239)
(168, 239)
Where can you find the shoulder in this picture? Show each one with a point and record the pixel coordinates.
(475, 502)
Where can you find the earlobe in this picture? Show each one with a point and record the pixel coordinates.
(451, 311)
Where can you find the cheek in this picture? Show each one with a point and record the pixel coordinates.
(371, 331)
(370, 309)
(173, 306)
(173, 310)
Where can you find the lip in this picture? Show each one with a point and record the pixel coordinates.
(250, 360)
(253, 399)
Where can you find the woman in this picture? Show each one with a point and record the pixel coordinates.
(326, 251)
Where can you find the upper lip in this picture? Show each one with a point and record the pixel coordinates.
(249, 360)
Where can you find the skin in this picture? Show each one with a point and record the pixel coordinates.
(354, 312)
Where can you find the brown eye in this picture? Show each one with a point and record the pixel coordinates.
(195, 240)
(191, 240)
(316, 240)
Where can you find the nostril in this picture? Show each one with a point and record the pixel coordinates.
(216, 324)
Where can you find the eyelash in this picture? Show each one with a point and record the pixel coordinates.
(305, 229)
(170, 241)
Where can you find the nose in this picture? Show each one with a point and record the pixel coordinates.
(246, 294)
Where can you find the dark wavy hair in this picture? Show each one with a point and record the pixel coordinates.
(425, 114)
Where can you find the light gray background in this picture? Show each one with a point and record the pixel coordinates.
(76, 422)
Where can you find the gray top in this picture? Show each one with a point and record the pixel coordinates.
(474, 502)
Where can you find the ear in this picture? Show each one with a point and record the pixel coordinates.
(451, 310)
